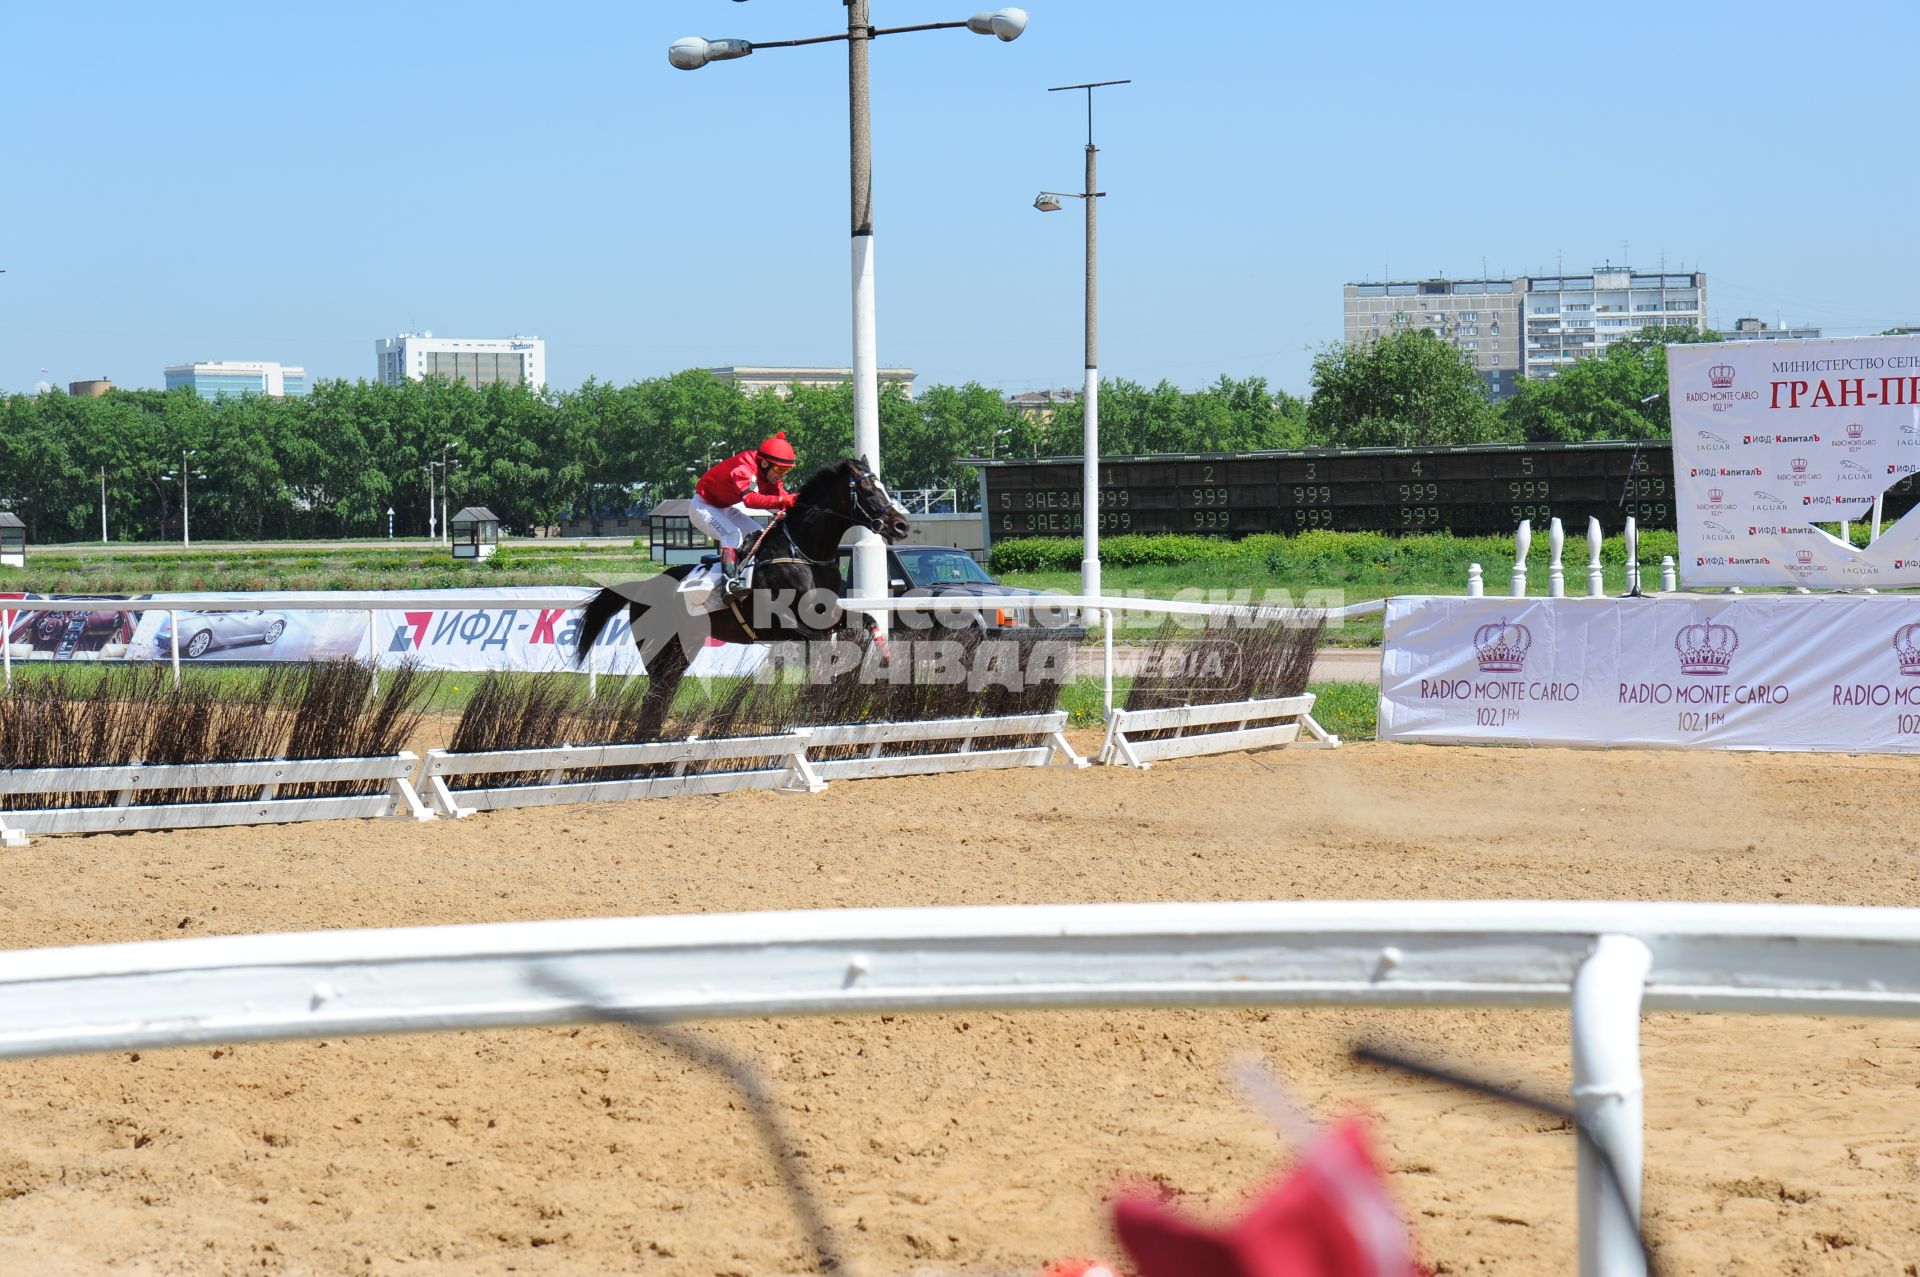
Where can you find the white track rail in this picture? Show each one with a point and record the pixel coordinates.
(1212, 729)
(1602, 959)
(959, 734)
(762, 762)
(1767, 958)
(265, 808)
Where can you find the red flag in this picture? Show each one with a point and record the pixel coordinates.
(1330, 1218)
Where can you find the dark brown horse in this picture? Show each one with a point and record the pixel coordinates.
(796, 585)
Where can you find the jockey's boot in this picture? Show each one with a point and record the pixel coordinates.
(732, 579)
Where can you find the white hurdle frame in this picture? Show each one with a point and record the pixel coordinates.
(876, 736)
(782, 759)
(1254, 726)
(400, 801)
(1605, 960)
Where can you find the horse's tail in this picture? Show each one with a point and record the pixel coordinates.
(600, 610)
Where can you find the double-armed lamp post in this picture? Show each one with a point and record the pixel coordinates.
(692, 53)
(1049, 202)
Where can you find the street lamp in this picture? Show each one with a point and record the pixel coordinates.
(692, 53)
(446, 492)
(433, 524)
(186, 525)
(1049, 202)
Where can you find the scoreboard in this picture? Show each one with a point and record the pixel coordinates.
(1472, 489)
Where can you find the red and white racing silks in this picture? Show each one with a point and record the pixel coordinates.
(1331, 1217)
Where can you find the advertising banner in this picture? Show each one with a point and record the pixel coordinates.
(1783, 672)
(1771, 438)
(431, 628)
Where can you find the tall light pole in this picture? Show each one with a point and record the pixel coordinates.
(1049, 202)
(433, 526)
(103, 505)
(692, 53)
(186, 529)
(446, 492)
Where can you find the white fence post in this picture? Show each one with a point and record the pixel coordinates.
(1522, 542)
(173, 632)
(1476, 582)
(373, 657)
(1556, 566)
(1596, 581)
(1106, 621)
(1632, 537)
(593, 676)
(1607, 1097)
(1668, 581)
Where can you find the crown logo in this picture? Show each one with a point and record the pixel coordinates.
(1906, 643)
(1855, 430)
(1501, 646)
(1706, 648)
(1799, 465)
(1714, 495)
(1721, 375)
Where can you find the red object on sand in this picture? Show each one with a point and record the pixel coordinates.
(1330, 1218)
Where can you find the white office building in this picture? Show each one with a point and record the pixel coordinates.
(756, 378)
(1572, 316)
(473, 361)
(1478, 317)
(1750, 329)
(211, 379)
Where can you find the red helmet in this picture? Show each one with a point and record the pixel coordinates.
(777, 450)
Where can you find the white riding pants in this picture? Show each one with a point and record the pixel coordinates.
(728, 524)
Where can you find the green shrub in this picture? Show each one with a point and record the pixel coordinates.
(1355, 559)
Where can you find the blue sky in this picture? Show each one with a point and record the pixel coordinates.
(291, 181)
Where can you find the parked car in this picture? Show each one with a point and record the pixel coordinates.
(936, 571)
(201, 632)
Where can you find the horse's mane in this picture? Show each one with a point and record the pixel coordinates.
(815, 490)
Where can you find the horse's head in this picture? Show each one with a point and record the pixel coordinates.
(868, 502)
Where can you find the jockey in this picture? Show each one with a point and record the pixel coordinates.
(747, 480)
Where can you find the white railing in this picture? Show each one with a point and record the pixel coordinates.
(1102, 607)
(1605, 960)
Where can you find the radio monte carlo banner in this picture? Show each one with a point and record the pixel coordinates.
(1771, 438)
(1773, 672)
(433, 628)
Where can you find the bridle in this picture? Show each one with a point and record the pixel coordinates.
(868, 516)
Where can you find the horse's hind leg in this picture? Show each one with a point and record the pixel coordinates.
(667, 666)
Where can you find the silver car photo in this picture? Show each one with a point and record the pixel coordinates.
(201, 632)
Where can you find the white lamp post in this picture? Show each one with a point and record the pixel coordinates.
(186, 528)
(1049, 202)
(446, 491)
(692, 53)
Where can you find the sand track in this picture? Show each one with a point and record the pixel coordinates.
(977, 1143)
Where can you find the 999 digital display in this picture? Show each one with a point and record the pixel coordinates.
(1476, 490)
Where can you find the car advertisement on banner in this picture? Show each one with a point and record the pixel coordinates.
(432, 628)
(1777, 443)
(79, 635)
(1757, 672)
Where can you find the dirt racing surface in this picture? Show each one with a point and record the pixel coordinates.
(978, 1143)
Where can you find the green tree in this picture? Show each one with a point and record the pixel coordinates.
(1618, 394)
(1406, 390)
